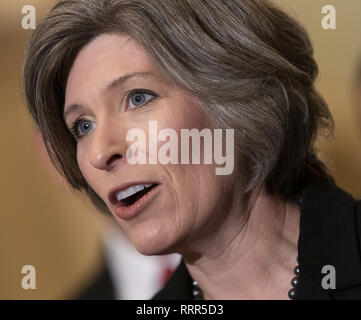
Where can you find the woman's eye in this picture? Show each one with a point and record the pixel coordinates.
(139, 98)
(82, 127)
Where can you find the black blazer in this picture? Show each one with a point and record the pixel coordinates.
(330, 227)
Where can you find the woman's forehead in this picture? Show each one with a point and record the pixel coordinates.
(103, 61)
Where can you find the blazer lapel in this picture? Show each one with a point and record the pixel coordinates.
(330, 224)
(328, 236)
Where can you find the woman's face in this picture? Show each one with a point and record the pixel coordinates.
(188, 198)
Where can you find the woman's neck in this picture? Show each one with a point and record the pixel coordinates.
(249, 258)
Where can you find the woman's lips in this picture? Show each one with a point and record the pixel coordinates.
(112, 195)
(128, 212)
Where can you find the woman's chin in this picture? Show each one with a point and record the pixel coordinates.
(152, 241)
(150, 249)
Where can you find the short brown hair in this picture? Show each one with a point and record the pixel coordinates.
(248, 63)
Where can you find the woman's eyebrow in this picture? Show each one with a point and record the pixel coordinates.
(125, 77)
(71, 109)
(111, 86)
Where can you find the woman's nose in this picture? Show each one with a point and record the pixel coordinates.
(108, 147)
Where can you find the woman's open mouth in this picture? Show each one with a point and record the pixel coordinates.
(129, 201)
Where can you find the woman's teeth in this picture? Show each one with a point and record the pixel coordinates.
(131, 190)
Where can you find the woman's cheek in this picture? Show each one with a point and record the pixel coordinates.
(84, 165)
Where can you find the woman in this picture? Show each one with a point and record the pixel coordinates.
(97, 69)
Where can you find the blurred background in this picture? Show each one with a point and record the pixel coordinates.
(80, 253)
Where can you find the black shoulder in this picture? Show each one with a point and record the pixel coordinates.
(178, 287)
(330, 228)
(358, 220)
